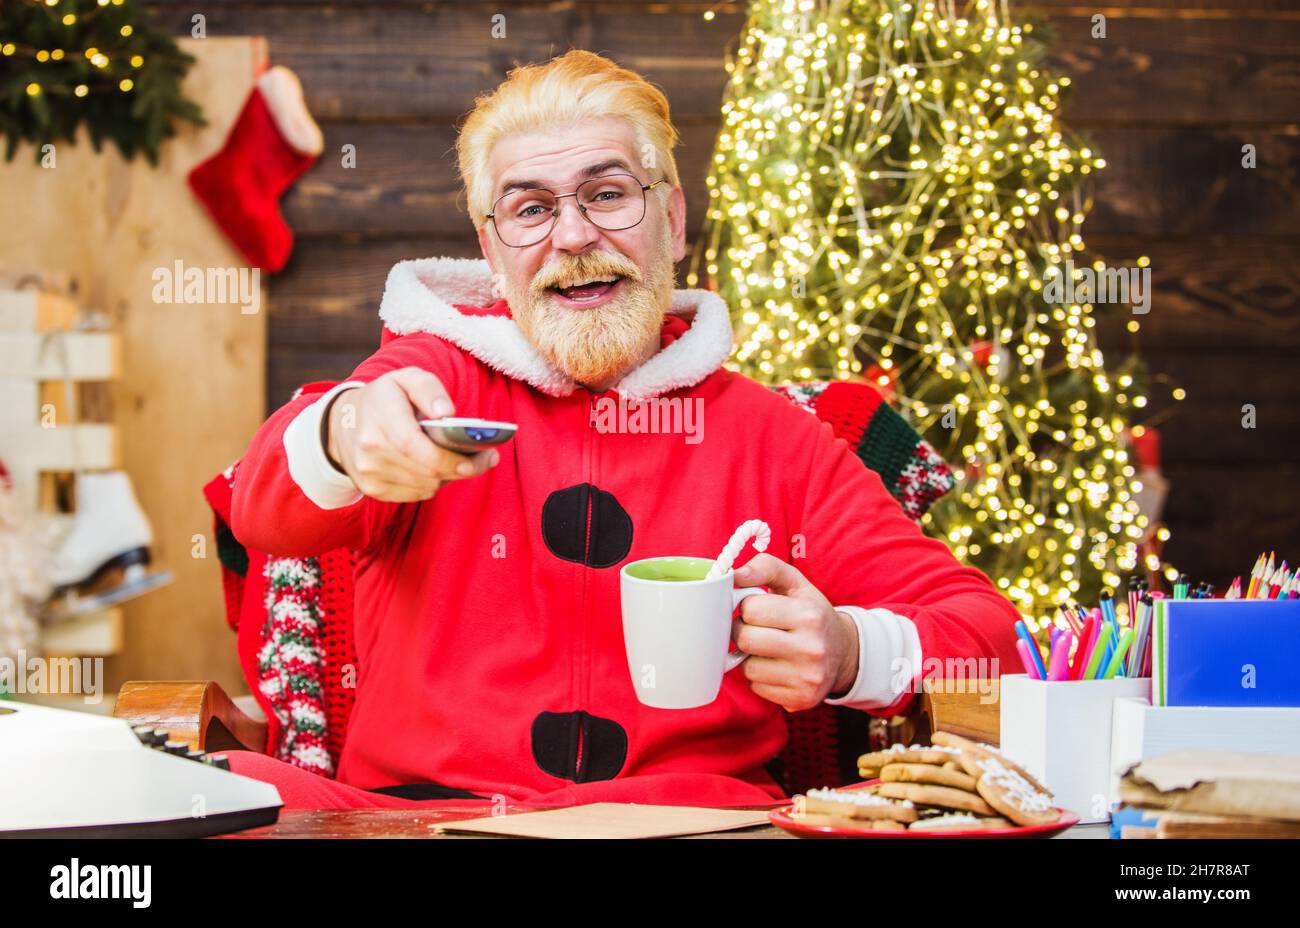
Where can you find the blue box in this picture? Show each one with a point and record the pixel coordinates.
(1226, 652)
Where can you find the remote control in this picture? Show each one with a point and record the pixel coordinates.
(467, 435)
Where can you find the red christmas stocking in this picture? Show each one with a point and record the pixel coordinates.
(241, 185)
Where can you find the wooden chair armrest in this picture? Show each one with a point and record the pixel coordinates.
(197, 712)
(970, 708)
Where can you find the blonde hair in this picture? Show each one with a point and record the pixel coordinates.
(571, 88)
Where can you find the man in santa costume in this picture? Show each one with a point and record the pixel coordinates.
(487, 614)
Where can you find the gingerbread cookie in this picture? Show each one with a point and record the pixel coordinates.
(957, 821)
(858, 824)
(944, 796)
(1014, 796)
(887, 825)
(880, 824)
(970, 753)
(927, 773)
(869, 765)
(854, 804)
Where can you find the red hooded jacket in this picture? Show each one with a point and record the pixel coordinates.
(487, 619)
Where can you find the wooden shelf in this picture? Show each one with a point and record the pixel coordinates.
(96, 634)
(35, 356)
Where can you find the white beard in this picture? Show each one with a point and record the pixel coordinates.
(598, 346)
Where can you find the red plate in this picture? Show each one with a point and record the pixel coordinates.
(782, 818)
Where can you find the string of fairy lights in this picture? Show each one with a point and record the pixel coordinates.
(111, 75)
(97, 70)
(889, 194)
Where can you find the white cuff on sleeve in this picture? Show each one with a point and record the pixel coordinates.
(309, 467)
(889, 658)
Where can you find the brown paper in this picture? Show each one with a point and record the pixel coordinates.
(611, 820)
(1186, 825)
(1217, 783)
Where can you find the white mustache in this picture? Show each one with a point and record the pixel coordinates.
(581, 270)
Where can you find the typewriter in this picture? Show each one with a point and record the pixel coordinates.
(74, 774)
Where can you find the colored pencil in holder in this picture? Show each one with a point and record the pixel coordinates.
(1032, 645)
(1059, 661)
(1084, 650)
(1098, 651)
(1027, 654)
(1117, 659)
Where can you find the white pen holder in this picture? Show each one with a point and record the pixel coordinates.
(1061, 731)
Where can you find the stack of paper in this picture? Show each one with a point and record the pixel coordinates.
(1217, 794)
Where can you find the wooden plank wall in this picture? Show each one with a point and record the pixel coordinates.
(1169, 98)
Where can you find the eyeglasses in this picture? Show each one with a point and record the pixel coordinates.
(612, 202)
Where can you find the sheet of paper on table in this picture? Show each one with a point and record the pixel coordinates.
(612, 820)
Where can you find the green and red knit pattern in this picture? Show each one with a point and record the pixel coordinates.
(291, 660)
(912, 471)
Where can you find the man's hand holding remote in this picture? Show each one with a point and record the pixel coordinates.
(373, 435)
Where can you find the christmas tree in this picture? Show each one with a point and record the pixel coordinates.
(890, 196)
(98, 63)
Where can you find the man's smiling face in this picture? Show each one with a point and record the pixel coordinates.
(593, 334)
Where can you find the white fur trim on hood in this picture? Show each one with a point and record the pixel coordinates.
(420, 296)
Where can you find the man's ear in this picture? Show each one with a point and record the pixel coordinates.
(677, 222)
(485, 245)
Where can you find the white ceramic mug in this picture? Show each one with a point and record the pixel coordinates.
(677, 631)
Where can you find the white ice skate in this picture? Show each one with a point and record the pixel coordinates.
(104, 559)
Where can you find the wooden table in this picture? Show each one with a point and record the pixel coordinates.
(420, 823)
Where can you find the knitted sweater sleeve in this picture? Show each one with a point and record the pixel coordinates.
(861, 550)
(289, 501)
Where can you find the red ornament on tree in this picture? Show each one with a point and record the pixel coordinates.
(884, 380)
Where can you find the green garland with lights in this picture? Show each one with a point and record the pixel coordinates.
(890, 191)
(64, 63)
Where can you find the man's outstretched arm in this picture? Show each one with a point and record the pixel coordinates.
(329, 471)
